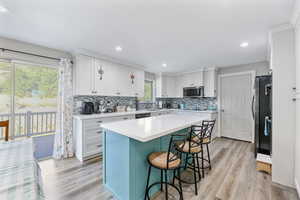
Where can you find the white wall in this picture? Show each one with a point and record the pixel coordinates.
(297, 133)
(296, 21)
(261, 68)
(31, 48)
(283, 138)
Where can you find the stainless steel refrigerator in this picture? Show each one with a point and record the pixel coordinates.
(262, 114)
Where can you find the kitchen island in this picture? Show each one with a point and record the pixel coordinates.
(127, 145)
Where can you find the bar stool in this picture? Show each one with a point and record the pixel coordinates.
(5, 124)
(204, 137)
(166, 161)
(191, 150)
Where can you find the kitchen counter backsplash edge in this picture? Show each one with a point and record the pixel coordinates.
(190, 103)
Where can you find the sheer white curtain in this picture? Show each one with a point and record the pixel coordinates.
(63, 143)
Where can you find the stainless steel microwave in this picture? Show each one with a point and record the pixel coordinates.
(193, 91)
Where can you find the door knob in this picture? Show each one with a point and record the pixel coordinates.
(222, 110)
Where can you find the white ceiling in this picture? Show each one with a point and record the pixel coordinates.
(186, 34)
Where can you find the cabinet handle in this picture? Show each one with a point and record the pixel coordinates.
(99, 145)
(125, 118)
(118, 93)
(99, 132)
(99, 121)
(294, 88)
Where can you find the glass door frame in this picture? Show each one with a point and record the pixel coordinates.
(12, 66)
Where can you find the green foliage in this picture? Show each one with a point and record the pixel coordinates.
(148, 89)
(31, 81)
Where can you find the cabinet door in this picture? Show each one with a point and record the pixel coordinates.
(197, 79)
(108, 84)
(123, 81)
(210, 83)
(179, 87)
(137, 87)
(171, 87)
(161, 86)
(84, 79)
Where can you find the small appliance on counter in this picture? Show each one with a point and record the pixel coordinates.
(182, 106)
(87, 108)
(160, 104)
(168, 105)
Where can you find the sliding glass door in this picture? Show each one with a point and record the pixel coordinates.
(5, 92)
(28, 96)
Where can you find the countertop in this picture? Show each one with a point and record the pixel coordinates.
(116, 114)
(147, 129)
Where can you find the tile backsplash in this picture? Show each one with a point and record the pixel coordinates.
(122, 101)
(190, 103)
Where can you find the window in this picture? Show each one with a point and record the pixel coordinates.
(28, 96)
(148, 92)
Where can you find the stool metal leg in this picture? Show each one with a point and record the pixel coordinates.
(166, 185)
(195, 174)
(208, 156)
(174, 174)
(161, 179)
(186, 160)
(180, 186)
(148, 179)
(202, 162)
(198, 165)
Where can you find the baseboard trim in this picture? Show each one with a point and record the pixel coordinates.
(297, 187)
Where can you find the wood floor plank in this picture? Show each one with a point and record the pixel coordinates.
(233, 177)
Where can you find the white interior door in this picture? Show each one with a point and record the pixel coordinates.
(235, 100)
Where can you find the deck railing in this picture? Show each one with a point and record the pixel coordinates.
(30, 124)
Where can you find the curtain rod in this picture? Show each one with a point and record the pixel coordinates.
(31, 54)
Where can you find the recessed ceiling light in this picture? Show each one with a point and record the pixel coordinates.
(3, 9)
(118, 49)
(164, 64)
(244, 44)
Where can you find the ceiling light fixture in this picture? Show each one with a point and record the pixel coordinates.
(244, 44)
(118, 49)
(3, 9)
(164, 65)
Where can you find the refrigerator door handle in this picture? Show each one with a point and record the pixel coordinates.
(252, 108)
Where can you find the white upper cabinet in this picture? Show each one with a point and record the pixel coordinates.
(171, 86)
(165, 86)
(210, 83)
(194, 79)
(84, 81)
(105, 84)
(138, 83)
(98, 77)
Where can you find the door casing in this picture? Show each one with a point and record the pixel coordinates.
(253, 74)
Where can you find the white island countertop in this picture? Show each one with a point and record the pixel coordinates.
(116, 114)
(150, 128)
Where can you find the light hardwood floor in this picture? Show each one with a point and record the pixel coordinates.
(233, 176)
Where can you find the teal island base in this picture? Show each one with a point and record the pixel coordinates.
(126, 166)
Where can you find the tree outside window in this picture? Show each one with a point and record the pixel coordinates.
(148, 92)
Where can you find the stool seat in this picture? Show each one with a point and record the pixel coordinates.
(206, 140)
(185, 147)
(160, 160)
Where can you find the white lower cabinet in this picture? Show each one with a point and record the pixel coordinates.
(88, 135)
